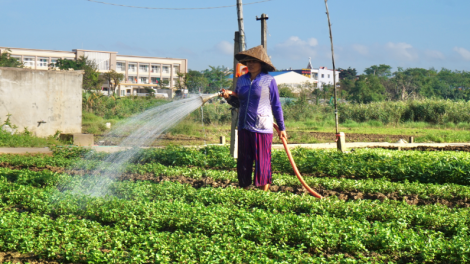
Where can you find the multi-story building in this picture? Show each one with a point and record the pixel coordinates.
(139, 72)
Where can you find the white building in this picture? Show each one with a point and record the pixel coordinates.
(291, 79)
(321, 76)
(139, 72)
(324, 76)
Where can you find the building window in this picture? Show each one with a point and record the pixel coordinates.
(143, 79)
(143, 68)
(132, 79)
(132, 68)
(28, 62)
(323, 75)
(54, 61)
(121, 66)
(176, 68)
(328, 76)
(42, 62)
(155, 80)
(155, 68)
(166, 69)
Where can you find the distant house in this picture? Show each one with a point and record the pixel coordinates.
(321, 76)
(292, 79)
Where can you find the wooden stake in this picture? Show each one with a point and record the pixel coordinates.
(334, 71)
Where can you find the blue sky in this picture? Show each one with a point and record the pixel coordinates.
(406, 33)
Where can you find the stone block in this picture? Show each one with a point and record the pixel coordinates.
(83, 140)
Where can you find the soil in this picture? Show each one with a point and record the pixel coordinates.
(15, 257)
(163, 140)
(465, 148)
(352, 137)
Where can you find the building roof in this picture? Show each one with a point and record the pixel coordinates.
(309, 66)
(278, 73)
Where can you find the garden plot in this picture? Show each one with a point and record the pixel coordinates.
(183, 205)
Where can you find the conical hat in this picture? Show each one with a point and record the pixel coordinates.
(258, 53)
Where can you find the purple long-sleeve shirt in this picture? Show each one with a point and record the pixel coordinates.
(259, 102)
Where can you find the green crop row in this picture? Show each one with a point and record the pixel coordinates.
(239, 225)
(383, 185)
(423, 190)
(425, 167)
(24, 191)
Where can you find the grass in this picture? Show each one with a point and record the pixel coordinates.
(299, 132)
(26, 140)
(96, 125)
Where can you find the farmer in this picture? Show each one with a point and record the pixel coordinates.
(258, 101)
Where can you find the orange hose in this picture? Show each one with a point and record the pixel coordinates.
(292, 162)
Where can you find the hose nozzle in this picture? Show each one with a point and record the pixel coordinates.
(207, 98)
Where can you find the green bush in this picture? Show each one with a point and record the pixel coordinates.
(110, 107)
(428, 111)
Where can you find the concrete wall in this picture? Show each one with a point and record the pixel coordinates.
(31, 96)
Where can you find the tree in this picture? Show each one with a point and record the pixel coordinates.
(216, 79)
(91, 76)
(163, 84)
(305, 91)
(6, 60)
(180, 82)
(381, 70)
(367, 89)
(285, 91)
(114, 79)
(195, 81)
(347, 74)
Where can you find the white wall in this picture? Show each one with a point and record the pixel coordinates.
(325, 77)
(37, 95)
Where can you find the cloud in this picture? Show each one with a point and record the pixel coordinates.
(361, 49)
(224, 47)
(434, 54)
(295, 48)
(402, 50)
(463, 52)
(312, 42)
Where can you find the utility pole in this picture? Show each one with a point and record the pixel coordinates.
(239, 46)
(234, 112)
(241, 27)
(264, 30)
(340, 139)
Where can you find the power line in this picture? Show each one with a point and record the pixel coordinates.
(175, 8)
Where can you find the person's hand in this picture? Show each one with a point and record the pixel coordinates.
(283, 135)
(225, 93)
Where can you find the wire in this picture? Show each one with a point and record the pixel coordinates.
(175, 8)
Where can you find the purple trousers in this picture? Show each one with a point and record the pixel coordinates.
(255, 147)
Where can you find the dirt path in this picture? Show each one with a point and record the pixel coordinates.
(352, 137)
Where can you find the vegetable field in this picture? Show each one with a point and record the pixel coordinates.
(178, 205)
